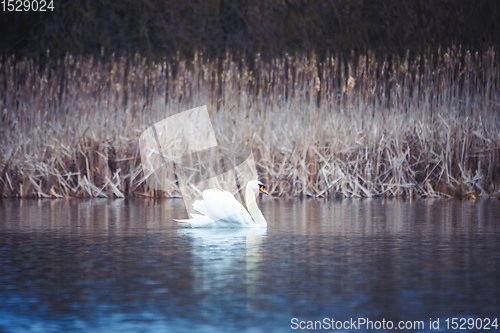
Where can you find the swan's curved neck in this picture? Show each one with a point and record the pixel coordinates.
(252, 207)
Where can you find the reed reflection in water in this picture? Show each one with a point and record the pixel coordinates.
(125, 265)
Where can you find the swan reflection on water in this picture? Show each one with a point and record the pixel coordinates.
(217, 252)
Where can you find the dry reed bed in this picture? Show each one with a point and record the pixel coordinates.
(420, 127)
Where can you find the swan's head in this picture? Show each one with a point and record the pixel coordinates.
(257, 186)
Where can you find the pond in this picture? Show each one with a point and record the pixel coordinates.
(124, 265)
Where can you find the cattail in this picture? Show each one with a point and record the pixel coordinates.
(351, 82)
(414, 128)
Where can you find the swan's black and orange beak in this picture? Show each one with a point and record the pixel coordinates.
(262, 188)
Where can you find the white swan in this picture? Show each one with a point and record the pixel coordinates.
(220, 209)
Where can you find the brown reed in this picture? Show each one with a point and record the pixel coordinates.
(404, 127)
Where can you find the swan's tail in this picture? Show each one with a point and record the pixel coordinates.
(196, 221)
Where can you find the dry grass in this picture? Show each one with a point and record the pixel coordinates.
(421, 127)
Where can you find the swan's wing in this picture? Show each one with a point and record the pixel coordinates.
(223, 208)
(196, 221)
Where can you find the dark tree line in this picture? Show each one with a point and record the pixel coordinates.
(156, 28)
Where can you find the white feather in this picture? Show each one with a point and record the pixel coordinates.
(196, 221)
(220, 209)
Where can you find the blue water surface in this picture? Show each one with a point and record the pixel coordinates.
(124, 266)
